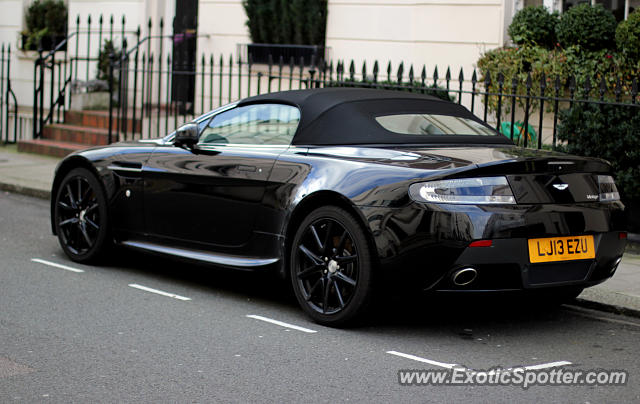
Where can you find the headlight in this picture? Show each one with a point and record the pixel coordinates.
(486, 190)
(608, 190)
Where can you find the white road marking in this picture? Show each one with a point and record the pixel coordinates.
(159, 292)
(424, 360)
(53, 264)
(545, 365)
(452, 365)
(281, 323)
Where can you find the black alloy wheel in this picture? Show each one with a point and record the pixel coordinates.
(331, 267)
(80, 214)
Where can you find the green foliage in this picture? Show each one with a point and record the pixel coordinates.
(298, 22)
(628, 37)
(45, 18)
(534, 26)
(517, 63)
(574, 61)
(590, 27)
(609, 132)
(108, 49)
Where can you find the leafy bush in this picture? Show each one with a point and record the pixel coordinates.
(590, 27)
(104, 60)
(628, 37)
(45, 18)
(609, 132)
(573, 62)
(298, 22)
(534, 26)
(517, 63)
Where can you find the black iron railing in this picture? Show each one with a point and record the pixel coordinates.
(8, 101)
(153, 90)
(221, 80)
(56, 70)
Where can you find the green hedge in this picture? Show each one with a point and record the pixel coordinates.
(296, 22)
(628, 37)
(590, 27)
(45, 18)
(534, 26)
(608, 132)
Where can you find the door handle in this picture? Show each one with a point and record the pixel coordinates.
(251, 169)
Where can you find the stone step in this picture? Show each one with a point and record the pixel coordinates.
(49, 147)
(100, 119)
(86, 135)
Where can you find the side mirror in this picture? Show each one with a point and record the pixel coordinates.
(186, 135)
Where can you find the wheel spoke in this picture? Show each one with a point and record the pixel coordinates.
(326, 246)
(338, 294)
(314, 258)
(91, 207)
(316, 237)
(83, 230)
(64, 206)
(345, 278)
(91, 223)
(313, 288)
(343, 239)
(85, 195)
(325, 298)
(72, 220)
(348, 259)
(71, 198)
(308, 271)
(79, 200)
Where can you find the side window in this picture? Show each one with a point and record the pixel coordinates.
(262, 124)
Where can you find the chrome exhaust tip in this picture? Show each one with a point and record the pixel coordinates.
(464, 276)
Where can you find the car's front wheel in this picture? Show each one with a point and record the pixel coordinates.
(80, 214)
(331, 267)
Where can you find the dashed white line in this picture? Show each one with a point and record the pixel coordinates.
(53, 264)
(545, 365)
(158, 292)
(424, 360)
(281, 323)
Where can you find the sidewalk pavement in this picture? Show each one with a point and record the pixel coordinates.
(32, 175)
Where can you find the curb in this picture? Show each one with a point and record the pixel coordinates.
(605, 307)
(28, 191)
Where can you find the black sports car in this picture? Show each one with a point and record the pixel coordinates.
(341, 190)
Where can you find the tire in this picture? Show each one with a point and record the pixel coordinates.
(331, 267)
(80, 214)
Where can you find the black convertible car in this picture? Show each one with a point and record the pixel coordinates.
(343, 190)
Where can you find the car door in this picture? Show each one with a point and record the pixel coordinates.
(211, 194)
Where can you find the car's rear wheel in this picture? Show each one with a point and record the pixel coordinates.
(80, 214)
(331, 267)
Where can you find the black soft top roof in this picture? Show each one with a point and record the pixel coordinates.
(342, 116)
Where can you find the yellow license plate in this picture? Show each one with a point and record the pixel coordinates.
(561, 249)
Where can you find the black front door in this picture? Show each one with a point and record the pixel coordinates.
(209, 197)
(213, 194)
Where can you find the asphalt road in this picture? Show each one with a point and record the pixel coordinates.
(68, 336)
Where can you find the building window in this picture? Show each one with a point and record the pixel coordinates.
(620, 8)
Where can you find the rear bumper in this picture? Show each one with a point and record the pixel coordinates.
(423, 245)
(505, 266)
